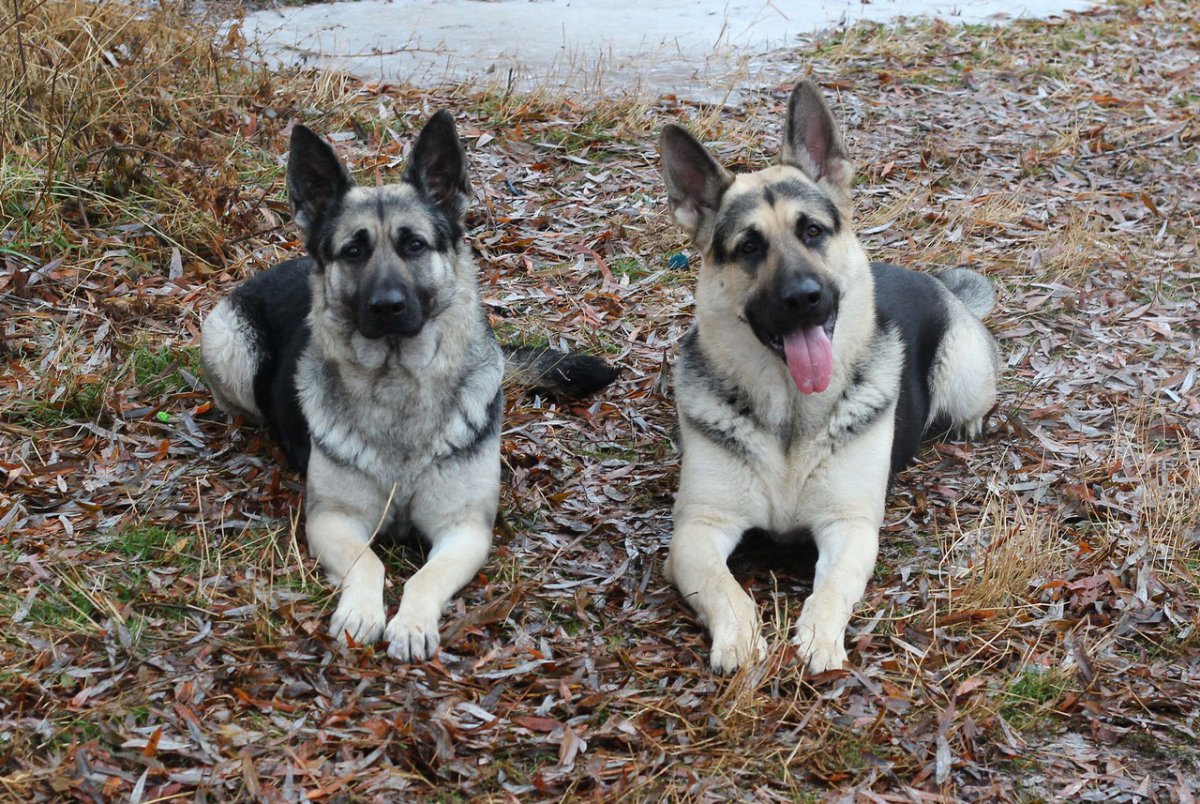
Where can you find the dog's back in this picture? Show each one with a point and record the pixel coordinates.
(948, 379)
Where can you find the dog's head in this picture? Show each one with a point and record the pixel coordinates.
(779, 254)
(385, 258)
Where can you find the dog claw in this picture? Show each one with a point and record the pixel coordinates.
(357, 620)
(412, 638)
(731, 653)
(969, 431)
(819, 653)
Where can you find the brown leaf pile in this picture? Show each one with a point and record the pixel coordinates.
(1031, 632)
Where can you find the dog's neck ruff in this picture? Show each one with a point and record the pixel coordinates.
(753, 409)
(436, 398)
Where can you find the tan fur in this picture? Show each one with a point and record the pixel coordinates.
(758, 453)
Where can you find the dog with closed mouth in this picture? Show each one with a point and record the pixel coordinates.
(374, 365)
(809, 379)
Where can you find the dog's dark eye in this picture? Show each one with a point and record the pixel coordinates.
(414, 246)
(353, 251)
(749, 247)
(812, 231)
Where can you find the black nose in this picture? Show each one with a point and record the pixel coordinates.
(387, 303)
(390, 308)
(802, 294)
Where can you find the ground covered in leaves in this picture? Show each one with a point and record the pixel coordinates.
(1031, 631)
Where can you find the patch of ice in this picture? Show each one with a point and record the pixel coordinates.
(699, 49)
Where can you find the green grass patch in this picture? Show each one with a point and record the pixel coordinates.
(513, 333)
(611, 451)
(76, 731)
(587, 135)
(159, 371)
(24, 187)
(631, 268)
(308, 584)
(82, 400)
(62, 608)
(151, 543)
(155, 544)
(1028, 700)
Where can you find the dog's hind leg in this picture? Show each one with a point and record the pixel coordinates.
(963, 378)
(230, 350)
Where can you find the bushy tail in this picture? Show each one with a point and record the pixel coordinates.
(557, 373)
(972, 289)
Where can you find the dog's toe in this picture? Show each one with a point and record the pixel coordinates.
(730, 653)
(412, 638)
(824, 657)
(819, 652)
(358, 620)
(969, 431)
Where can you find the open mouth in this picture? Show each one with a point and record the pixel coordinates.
(808, 352)
(775, 342)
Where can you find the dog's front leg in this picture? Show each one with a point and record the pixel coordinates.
(457, 554)
(341, 543)
(696, 565)
(847, 550)
(454, 506)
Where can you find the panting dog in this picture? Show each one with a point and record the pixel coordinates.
(808, 380)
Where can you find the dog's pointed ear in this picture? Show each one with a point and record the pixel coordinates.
(315, 177)
(813, 143)
(438, 166)
(695, 181)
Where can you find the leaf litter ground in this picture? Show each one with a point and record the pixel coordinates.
(1031, 630)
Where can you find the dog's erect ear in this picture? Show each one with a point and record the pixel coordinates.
(315, 177)
(438, 166)
(813, 143)
(695, 181)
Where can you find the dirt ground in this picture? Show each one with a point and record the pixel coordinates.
(1031, 629)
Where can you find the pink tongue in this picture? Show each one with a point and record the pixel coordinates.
(810, 359)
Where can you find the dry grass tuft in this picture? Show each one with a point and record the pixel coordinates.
(1160, 464)
(120, 114)
(998, 565)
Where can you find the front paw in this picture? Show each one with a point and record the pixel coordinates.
(728, 654)
(820, 647)
(412, 637)
(358, 618)
(737, 640)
